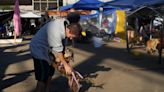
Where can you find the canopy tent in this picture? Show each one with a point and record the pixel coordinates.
(148, 10)
(67, 7)
(88, 4)
(142, 11)
(144, 14)
(133, 3)
(30, 15)
(120, 3)
(84, 5)
(148, 2)
(83, 17)
(156, 5)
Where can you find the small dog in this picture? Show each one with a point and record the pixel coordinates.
(151, 45)
(160, 45)
(75, 77)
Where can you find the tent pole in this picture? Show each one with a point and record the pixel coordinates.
(15, 38)
(100, 18)
(161, 42)
(127, 40)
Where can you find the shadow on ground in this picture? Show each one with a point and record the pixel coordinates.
(12, 57)
(89, 67)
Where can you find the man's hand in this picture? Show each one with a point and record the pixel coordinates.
(67, 67)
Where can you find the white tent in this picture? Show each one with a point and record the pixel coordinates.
(30, 15)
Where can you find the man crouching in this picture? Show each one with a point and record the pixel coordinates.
(49, 39)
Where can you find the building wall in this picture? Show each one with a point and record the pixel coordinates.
(38, 5)
(67, 2)
(12, 2)
(32, 5)
(43, 5)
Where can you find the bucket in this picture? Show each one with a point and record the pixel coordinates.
(97, 42)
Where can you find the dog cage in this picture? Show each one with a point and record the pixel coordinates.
(153, 13)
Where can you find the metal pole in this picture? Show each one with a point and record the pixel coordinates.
(40, 6)
(65, 2)
(33, 5)
(127, 40)
(100, 18)
(47, 5)
(161, 41)
(58, 5)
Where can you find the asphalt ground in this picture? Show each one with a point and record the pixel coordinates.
(109, 68)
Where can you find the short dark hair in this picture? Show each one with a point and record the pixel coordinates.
(75, 28)
(73, 17)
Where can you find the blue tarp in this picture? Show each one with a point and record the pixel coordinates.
(148, 2)
(97, 14)
(133, 3)
(88, 4)
(67, 7)
(120, 3)
(84, 4)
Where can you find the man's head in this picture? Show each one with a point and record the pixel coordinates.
(73, 30)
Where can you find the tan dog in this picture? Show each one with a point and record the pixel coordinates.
(151, 46)
(75, 77)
